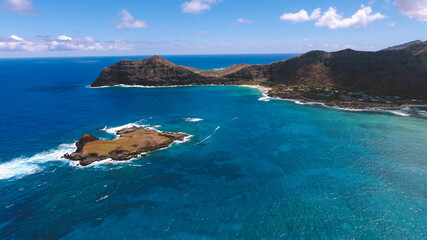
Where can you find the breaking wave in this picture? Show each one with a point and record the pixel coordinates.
(23, 166)
(403, 112)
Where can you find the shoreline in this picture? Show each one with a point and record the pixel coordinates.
(125, 147)
(266, 90)
(262, 88)
(22, 166)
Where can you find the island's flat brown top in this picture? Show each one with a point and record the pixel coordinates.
(132, 142)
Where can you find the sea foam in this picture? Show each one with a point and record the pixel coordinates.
(114, 130)
(22, 166)
(403, 112)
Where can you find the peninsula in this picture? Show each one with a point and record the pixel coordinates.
(391, 77)
(131, 143)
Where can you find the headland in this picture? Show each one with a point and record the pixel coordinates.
(390, 78)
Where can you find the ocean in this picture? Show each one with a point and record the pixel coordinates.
(255, 168)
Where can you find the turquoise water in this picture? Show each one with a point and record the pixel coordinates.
(252, 170)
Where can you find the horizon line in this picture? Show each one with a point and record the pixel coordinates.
(148, 55)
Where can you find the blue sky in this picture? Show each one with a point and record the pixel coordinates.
(42, 28)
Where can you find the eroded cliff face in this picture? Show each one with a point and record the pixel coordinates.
(398, 71)
(154, 71)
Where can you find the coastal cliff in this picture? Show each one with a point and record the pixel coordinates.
(154, 71)
(399, 71)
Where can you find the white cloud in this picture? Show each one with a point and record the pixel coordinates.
(14, 37)
(19, 6)
(301, 16)
(392, 24)
(413, 8)
(202, 32)
(243, 21)
(127, 21)
(61, 43)
(362, 18)
(64, 38)
(197, 6)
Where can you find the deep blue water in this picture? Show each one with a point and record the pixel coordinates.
(252, 170)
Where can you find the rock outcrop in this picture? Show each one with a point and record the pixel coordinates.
(132, 143)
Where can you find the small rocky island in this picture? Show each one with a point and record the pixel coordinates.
(131, 143)
(392, 77)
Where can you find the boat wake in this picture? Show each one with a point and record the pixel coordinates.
(189, 119)
(206, 138)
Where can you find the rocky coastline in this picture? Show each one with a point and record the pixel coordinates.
(131, 143)
(390, 78)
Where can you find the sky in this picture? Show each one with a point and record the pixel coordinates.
(62, 28)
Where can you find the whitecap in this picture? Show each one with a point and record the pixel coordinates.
(114, 130)
(399, 113)
(421, 112)
(152, 127)
(265, 99)
(187, 138)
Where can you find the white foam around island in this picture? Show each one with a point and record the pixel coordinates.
(114, 130)
(23, 166)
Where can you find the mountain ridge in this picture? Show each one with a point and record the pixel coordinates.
(399, 71)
